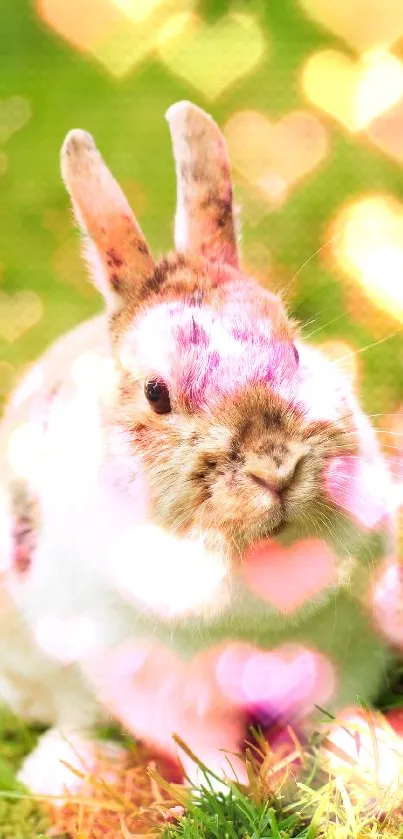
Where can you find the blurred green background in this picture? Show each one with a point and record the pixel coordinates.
(113, 67)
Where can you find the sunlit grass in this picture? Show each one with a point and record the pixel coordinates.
(144, 798)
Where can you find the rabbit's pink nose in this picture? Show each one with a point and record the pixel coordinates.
(273, 472)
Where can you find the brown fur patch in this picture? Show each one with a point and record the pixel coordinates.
(115, 281)
(25, 522)
(113, 260)
(196, 280)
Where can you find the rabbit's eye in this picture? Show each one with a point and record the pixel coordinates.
(296, 355)
(157, 393)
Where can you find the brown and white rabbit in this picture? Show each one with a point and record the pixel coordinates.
(193, 507)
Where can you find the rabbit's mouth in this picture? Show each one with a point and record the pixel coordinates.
(242, 509)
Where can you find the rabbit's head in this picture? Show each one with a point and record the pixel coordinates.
(234, 423)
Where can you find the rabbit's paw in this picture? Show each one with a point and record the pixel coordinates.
(62, 764)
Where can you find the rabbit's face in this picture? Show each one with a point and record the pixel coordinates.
(233, 425)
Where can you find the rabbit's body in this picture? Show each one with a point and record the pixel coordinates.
(149, 569)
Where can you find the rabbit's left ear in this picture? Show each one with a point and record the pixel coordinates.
(116, 248)
(204, 222)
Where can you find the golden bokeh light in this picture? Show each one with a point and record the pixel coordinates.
(386, 132)
(18, 313)
(211, 57)
(81, 26)
(15, 112)
(362, 25)
(137, 10)
(368, 247)
(353, 92)
(118, 33)
(272, 157)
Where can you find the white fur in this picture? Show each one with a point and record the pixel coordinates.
(102, 574)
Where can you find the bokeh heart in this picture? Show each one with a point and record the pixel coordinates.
(274, 156)
(155, 693)
(82, 28)
(361, 24)
(211, 57)
(288, 578)
(289, 675)
(118, 33)
(14, 114)
(353, 92)
(18, 313)
(368, 247)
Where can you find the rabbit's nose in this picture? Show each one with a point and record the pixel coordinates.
(273, 471)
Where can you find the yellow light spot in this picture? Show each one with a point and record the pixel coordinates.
(368, 246)
(137, 10)
(354, 93)
(273, 156)
(211, 57)
(18, 313)
(363, 25)
(118, 33)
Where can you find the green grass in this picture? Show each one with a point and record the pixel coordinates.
(314, 804)
(20, 817)
(310, 806)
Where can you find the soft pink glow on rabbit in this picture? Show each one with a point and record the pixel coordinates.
(156, 693)
(206, 354)
(385, 602)
(363, 489)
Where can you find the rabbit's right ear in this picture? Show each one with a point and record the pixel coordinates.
(205, 221)
(116, 250)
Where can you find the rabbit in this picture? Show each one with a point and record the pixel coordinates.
(194, 509)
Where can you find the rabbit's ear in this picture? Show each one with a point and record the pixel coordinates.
(117, 250)
(204, 222)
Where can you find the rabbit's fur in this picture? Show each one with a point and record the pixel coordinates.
(157, 466)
